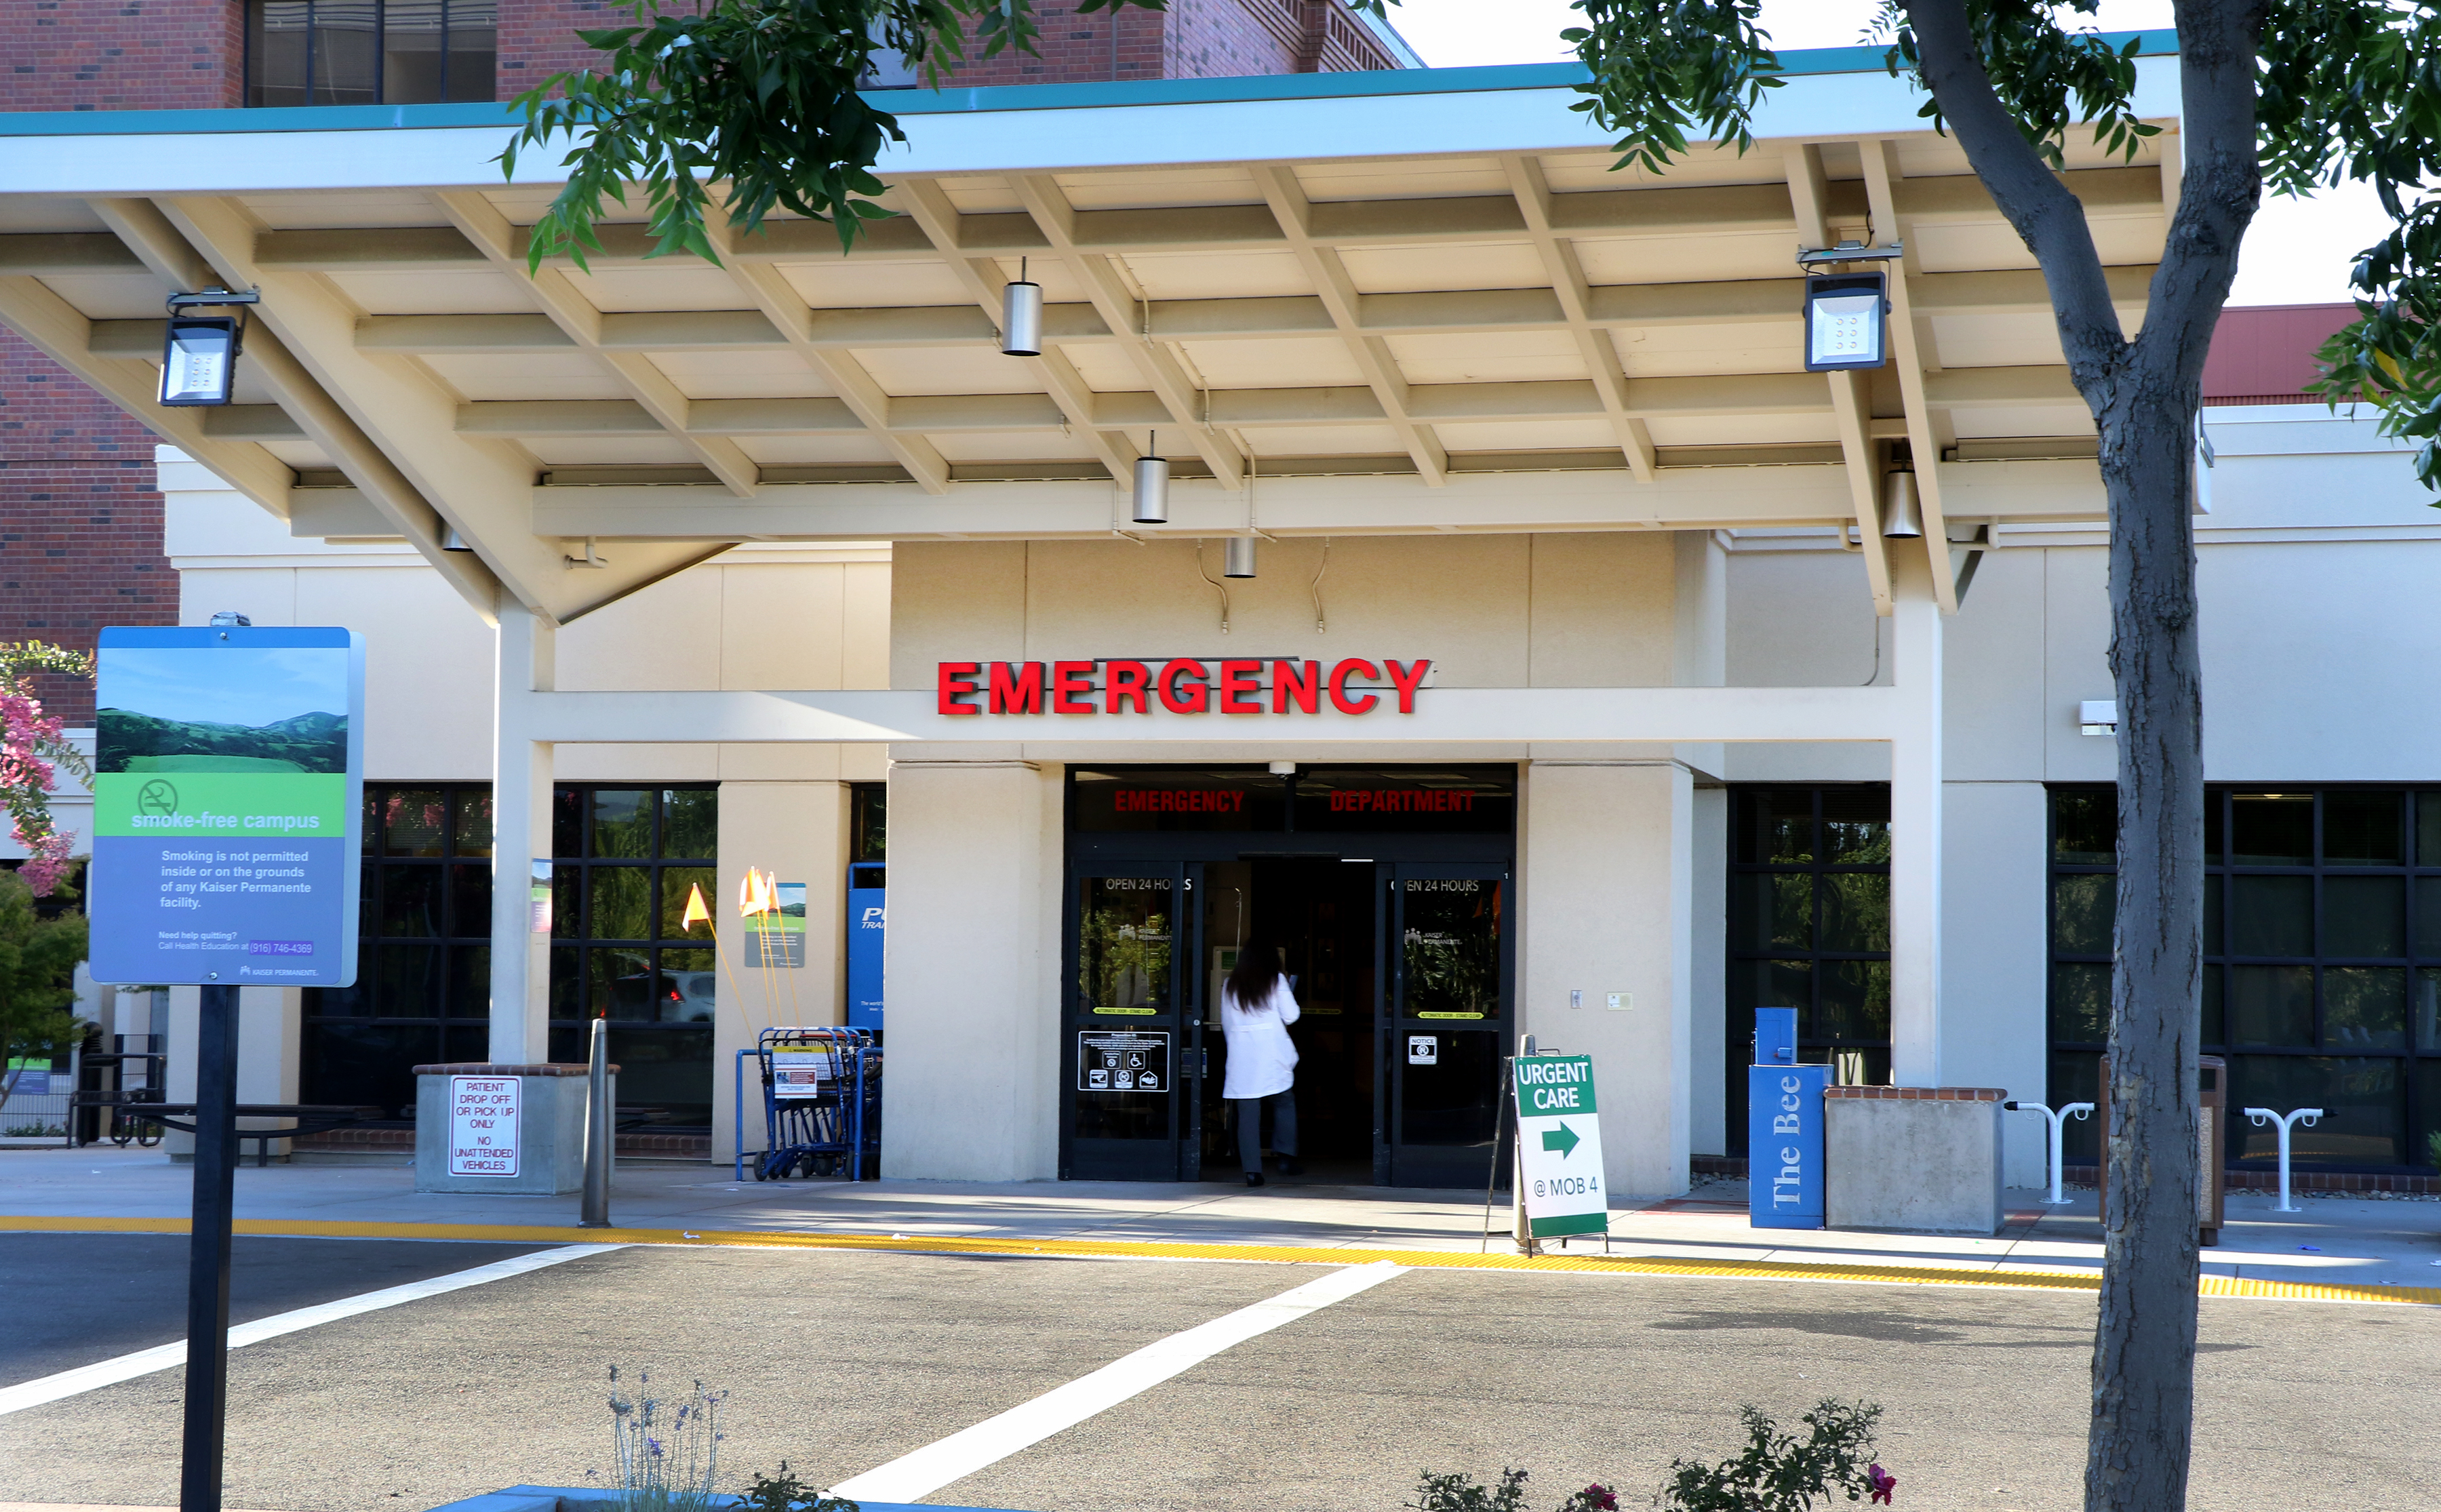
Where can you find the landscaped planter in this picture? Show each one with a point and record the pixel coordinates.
(1912, 1160)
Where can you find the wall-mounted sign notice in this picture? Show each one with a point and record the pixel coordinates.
(1182, 685)
(1123, 1060)
(228, 794)
(776, 937)
(483, 1125)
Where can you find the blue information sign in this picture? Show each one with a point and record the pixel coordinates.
(1784, 1146)
(229, 799)
(867, 885)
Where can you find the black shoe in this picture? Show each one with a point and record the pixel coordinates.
(1290, 1165)
(1253, 1177)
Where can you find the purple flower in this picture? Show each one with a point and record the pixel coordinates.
(1882, 1483)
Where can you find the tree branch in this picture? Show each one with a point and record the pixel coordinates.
(2046, 216)
(2220, 189)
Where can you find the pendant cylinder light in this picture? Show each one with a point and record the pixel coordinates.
(1021, 317)
(1902, 505)
(1237, 558)
(1152, 487)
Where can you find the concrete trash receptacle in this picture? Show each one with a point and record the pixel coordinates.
(1919, 1159)
(485, 1127)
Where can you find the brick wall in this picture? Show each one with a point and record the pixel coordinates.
(80, 518)
(124, 54)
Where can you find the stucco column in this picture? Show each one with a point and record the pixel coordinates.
(1915, 826)
(270, 1024)
(974, 957)
(1608, 864)
(521, 778)
(797, 831)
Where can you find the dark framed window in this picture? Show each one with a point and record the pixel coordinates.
(2322, 978)
(625, 859)
(1810, 929)
(424, 974)
(868, 821)
(369, 52)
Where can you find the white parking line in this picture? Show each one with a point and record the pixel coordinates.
(169, 1356)
(919, 1474)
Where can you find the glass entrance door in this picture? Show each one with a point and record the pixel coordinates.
(1451, 958)
(1132, 1050)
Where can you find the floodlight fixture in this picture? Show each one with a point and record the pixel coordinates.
(199, 352)
(1152, 486)
(1021, 316)
(1844, 321)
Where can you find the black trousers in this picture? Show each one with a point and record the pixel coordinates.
(1250, 1127)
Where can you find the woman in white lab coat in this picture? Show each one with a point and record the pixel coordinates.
(1256, 1010)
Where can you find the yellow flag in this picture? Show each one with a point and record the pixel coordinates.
(696, 911)
(747, 906)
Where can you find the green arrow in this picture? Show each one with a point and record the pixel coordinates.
(1562, 1139)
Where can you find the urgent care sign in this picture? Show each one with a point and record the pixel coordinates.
(1182, 685)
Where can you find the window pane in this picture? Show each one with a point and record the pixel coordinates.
(471, 826)
(2085, 826)
(2271, 1005)
(566, 985)
(2364, 916)
(2428, 1009)
(1857, 826)
(1856, 910)
(684, 992)
(2364, 1008)
(410, 900)
(674, 882)
(2271, 916)
(2271, 829)
(2214, 1024)
(690, 824)
(365, 1065)
(2364, 1112)
(2362, 829)
(622, 822)
(869, 825)
(474, 29)
(620, 981)
(568, 821)
(2082, 909)
(412, 822)
(1771, 985)
(2077, 1077)
(1777, 826)
(411, 52)
(470, 981)
(2428, 914)
(567, 901)
(2215, 941)
(2215, 802)
(344, 41)
(342, 1003)
(622, 904)
(1855, 1000)
(409, 981)
(2080, 1003)
(2428, 828)
(2424, 1148)
(470, 900)
(274, 54)
(1775, 911)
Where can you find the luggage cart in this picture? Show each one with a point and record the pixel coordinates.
(821, 1104)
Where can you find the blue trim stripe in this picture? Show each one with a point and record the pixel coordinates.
(199, 636)
(958, 101)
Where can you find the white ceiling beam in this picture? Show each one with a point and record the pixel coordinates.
(1852, 393)
(1114, 302)
(1911, 350)
(1567, 275)
(484, 488)
(929, 209)
(838, 368)
(480, 221)
(1328, 273)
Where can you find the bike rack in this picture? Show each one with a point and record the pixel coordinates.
(2057, 1121)
(2263, 1116)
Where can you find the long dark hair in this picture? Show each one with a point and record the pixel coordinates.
(1256, 972)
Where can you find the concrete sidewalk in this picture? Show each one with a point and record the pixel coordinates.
(2349, 1241)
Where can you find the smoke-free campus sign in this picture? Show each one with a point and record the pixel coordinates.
(228, 789)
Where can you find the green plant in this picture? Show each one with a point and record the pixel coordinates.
(38, 962)
(784, 1492)
(1777, 1472)
(1464, 1493)
(2432, 1145)
(666, 1461)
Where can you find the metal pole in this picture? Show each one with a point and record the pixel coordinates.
(207, 1261)
(597, 1131)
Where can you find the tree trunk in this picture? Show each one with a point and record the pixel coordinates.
(2144, 1352)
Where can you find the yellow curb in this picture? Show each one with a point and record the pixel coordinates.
(2040, 1280)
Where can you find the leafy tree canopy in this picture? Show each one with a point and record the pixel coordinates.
(38, 962)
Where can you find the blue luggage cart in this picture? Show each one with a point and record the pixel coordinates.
(821, 1104)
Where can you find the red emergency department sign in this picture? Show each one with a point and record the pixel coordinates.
(1182, 685)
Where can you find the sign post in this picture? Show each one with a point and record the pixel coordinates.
(1558, 1146)
(228, 800)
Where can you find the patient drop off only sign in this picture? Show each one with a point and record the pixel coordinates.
(483, 1125)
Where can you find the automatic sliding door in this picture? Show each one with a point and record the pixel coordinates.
(1129, 1043)
(1450, 954)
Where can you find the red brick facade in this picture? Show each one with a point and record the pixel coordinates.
(79, 520)
(124, 54)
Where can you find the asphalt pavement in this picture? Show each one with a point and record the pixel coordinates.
(841, 1360)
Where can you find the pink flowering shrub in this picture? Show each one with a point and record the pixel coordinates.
(32, 748)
